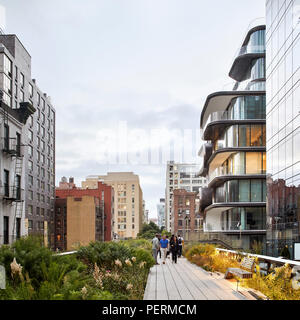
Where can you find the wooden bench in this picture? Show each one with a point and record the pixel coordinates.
(247, 263)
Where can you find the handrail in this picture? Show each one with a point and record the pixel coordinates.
(263, 258)
(65, 253)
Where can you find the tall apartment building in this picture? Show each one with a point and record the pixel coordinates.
(283, 125)
(128, 202)
(38, 141)
(161, 213)
(12, 172)
(180, 176)
(234, 154)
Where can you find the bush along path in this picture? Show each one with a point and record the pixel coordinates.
(276, 286)
(99, 271)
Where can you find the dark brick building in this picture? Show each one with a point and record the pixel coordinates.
(184, 215)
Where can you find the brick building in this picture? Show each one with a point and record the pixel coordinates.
(184, 214)
(103, 199)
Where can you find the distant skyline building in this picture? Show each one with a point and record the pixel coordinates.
(233, 124)
(128, 214)
(38, 140)
(161, 213)
(283, 125)
(180, 176)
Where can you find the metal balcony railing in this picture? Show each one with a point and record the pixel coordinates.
(9, 193)
(10, 146)
(225, 115)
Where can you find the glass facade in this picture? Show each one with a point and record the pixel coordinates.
(237, 174)
(249, 135)
(248, 218)
(283, 124)
(248, 190)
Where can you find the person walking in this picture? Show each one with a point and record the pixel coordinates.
(159, 251)
(174, 248)
(155, 247)
(180, 244)
(164, 244)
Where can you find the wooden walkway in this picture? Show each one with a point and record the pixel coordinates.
(186, 281)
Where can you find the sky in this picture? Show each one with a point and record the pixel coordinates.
(124, 75)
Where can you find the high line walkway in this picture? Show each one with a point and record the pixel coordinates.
(187, 281)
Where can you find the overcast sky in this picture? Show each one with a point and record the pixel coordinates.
(148, 63)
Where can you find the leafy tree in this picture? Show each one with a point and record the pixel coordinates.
(149, 231)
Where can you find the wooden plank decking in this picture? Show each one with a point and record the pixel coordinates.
(186, 281)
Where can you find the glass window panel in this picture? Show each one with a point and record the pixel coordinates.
(253, 162)
(244, 136)
(256, 190)
(256, 136)
(244, 190)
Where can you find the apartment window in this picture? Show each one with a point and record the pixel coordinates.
(38, 196)
(30, 209)
(6, 230)
(30, 195)
(22, 80)
(18, 228)
(7, 66)
(30, 179)
(42, 212)
(30, 151)
(133, 226)
(30, 224)
(6, 183)
(43, 185)
(132, 200)
(43, 132)
(43, 172)
(44, 104)
(6, 137)
(38, 183)
(30, 136)
(38, 128)
(31, 121)
(16, 73)
(37, 211)
(38, 156)
(43, 118)
(22, 97)
(30, 90)
(43, 145)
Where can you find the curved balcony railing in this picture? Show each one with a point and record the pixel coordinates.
(223, 171)
(252, 49)
(225, 115)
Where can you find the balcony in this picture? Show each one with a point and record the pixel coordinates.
(12, 194)
(10, 146)
(222, 174)
(252, 48)
(219, 120)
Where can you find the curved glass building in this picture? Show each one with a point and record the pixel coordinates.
(233, 126)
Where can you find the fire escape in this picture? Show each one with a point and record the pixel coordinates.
(12, 195)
